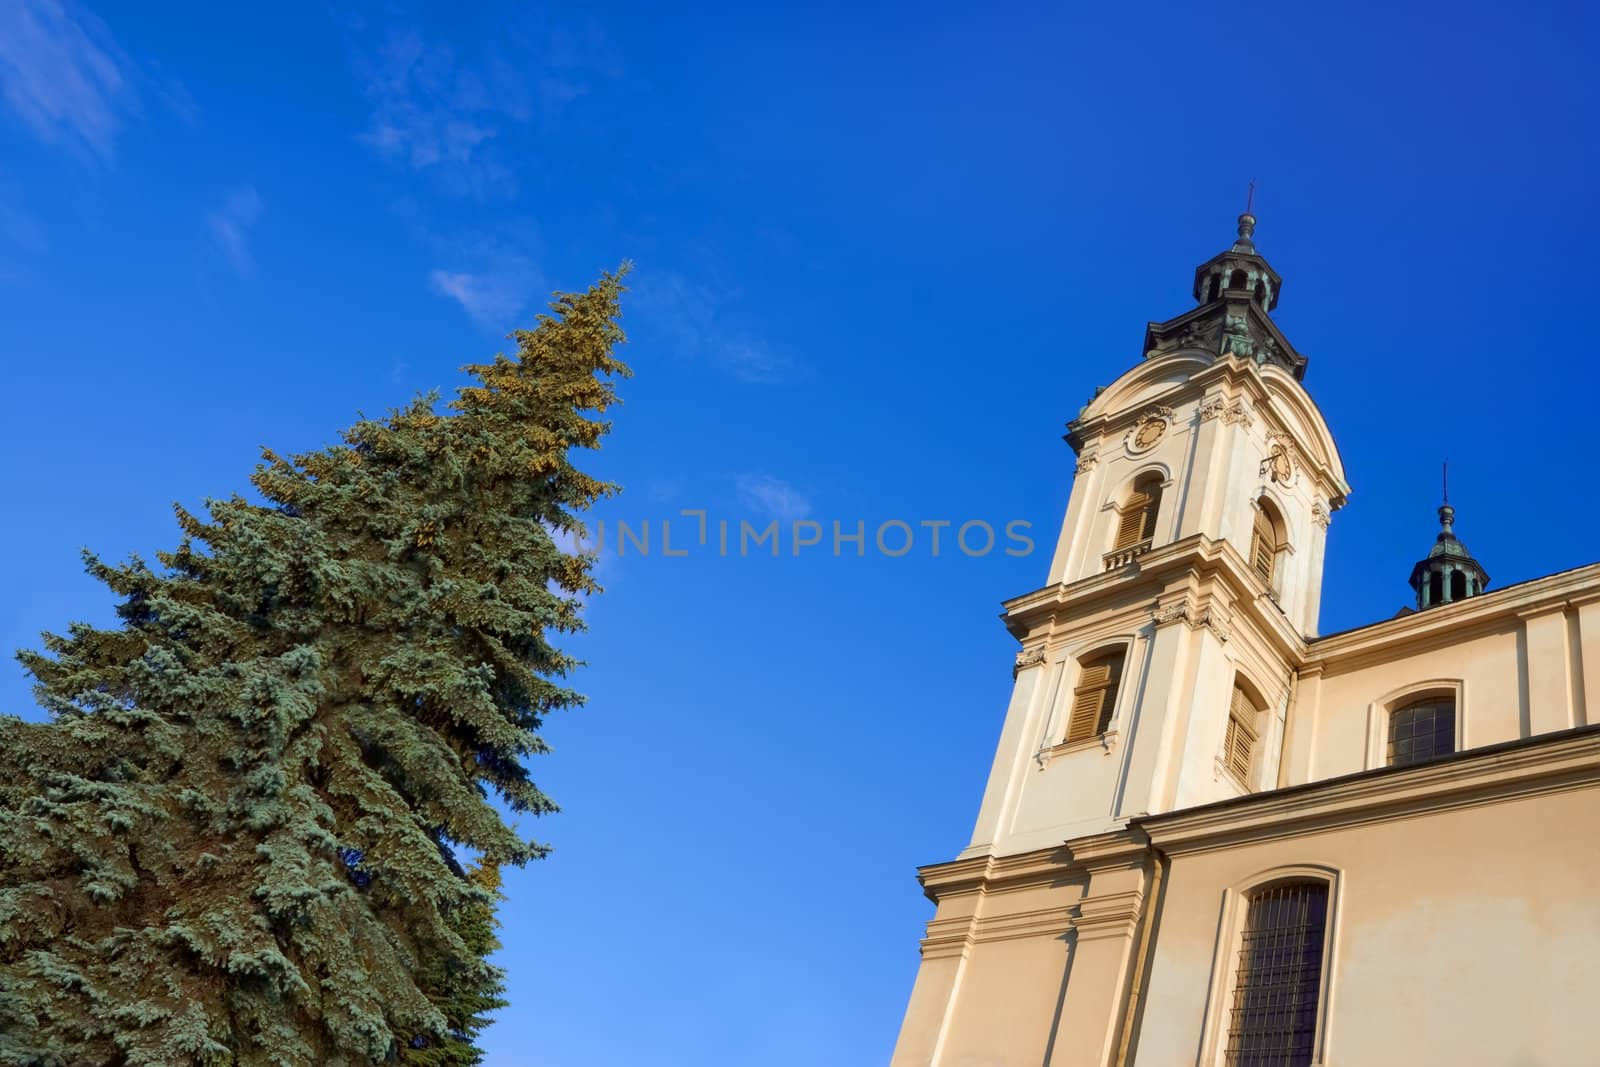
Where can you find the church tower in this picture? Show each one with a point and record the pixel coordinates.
(1156, 660)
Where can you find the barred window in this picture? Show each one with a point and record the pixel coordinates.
(1095, 697)
(1421, 731)
(1278, 985)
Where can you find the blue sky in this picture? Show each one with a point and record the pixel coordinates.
(883, 253)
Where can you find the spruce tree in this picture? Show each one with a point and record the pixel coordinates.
(244, 834)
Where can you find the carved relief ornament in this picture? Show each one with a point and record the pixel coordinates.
(1028, 657)
(1150, 427)
(1195, 616)
(1281, 460)
(1230, 412)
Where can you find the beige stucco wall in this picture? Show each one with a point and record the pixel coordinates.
(1465, 925)
(1466, 936)
(1521, 662)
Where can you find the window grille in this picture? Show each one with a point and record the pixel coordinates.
(1422, 731)
(1278, 985)
(1094, 699)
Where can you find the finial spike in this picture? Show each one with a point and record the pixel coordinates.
(1446, 479)
(1250, 197)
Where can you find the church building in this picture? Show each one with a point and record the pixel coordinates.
(1212, 836)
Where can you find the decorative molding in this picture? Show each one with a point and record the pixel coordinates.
(1320, 516)
(1158, 416)
(1211, 408)
(1039, 922)
(1104, 741)
(1184, 609)
(1282, 459)
(1217, 622)
(1237, 412)
(1108, 915)
(1175, 611)
(1086, 462)
(1028, 657)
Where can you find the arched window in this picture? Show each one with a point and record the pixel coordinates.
(1216, 287)
(1458, 585)
(1261, 293)
(1138, 520)
(1095, 697)
(1266, 540)
(1238, 280)
(1435, 588)
(1239, 741)
(1277, 988)
(1422, 730)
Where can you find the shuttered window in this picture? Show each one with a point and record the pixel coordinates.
(1263, 546)
(1094, 699)
(1239, 742)
(1277, 987)
(1138, 519)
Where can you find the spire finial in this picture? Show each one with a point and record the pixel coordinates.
(1247, 223)
(1447, 514)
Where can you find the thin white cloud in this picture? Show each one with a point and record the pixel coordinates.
(494, 294)
(231, 224)
(434, 113)
(459, 110)
(63, 76)
(772, 497)
(694, 319)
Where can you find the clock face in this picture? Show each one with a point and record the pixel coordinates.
(1149, 433)
(1281, 467)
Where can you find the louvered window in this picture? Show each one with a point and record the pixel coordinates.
(1263, 546)
(1273, 1020)
(1094, 699)
(1138, 520)
(1239, 742)
(1422, 731)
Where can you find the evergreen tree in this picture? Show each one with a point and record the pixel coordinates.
(235, 841)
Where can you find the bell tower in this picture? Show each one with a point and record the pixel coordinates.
(1155, 668)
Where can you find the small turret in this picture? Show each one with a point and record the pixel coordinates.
(1448, 572)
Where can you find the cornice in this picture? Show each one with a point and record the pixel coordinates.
(1547, 764)
(1040, 867)
(1173, 569)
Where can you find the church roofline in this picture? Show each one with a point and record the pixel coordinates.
(1576, 585)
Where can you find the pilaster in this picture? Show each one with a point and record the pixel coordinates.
(1105, 926)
